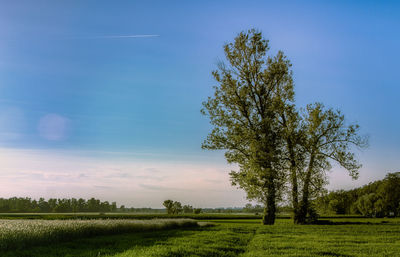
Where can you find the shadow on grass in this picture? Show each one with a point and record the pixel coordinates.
(329, 222)
(101, 245)
(333, 254)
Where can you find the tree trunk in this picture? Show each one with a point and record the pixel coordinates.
(304, 205)
(293, 172)
(270, 208)
(295, 195)
(293, 176)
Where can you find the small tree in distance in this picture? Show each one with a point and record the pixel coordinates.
(169, 205)
(177, 207)
(187, 209)
(197, 210)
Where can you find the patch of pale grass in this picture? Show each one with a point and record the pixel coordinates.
(21, 233)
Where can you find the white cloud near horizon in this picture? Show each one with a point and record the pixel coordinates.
(137, 183)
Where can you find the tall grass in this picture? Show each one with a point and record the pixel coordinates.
(18, 234)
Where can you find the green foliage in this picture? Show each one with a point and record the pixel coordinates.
(366, 204)
(251, 88)
(187, 209)
(256, 122)
(312, 215)
(253, 209)
(389, 191)
(22, 205)
(326, 138)
(175, 207)
(377, 199)
(169, 205)
(197, 210)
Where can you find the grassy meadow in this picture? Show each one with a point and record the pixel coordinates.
(227, 237)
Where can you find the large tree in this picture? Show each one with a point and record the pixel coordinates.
(255, 120)
(326, 138)
(251, 87)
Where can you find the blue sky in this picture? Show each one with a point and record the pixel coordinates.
(74, 94)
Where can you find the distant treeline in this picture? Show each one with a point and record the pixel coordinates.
(377, 199)
(53, 205)
(21, 204)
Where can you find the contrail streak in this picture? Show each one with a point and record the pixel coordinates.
(127, 36)
(95, 37)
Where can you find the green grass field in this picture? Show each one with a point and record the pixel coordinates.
(66, 216)
(233, 237)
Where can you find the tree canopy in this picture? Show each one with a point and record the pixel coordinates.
(20, 204)
(251, 87)
(255, 120)
(377, 199)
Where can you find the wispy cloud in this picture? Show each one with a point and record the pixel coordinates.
(159, 188)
